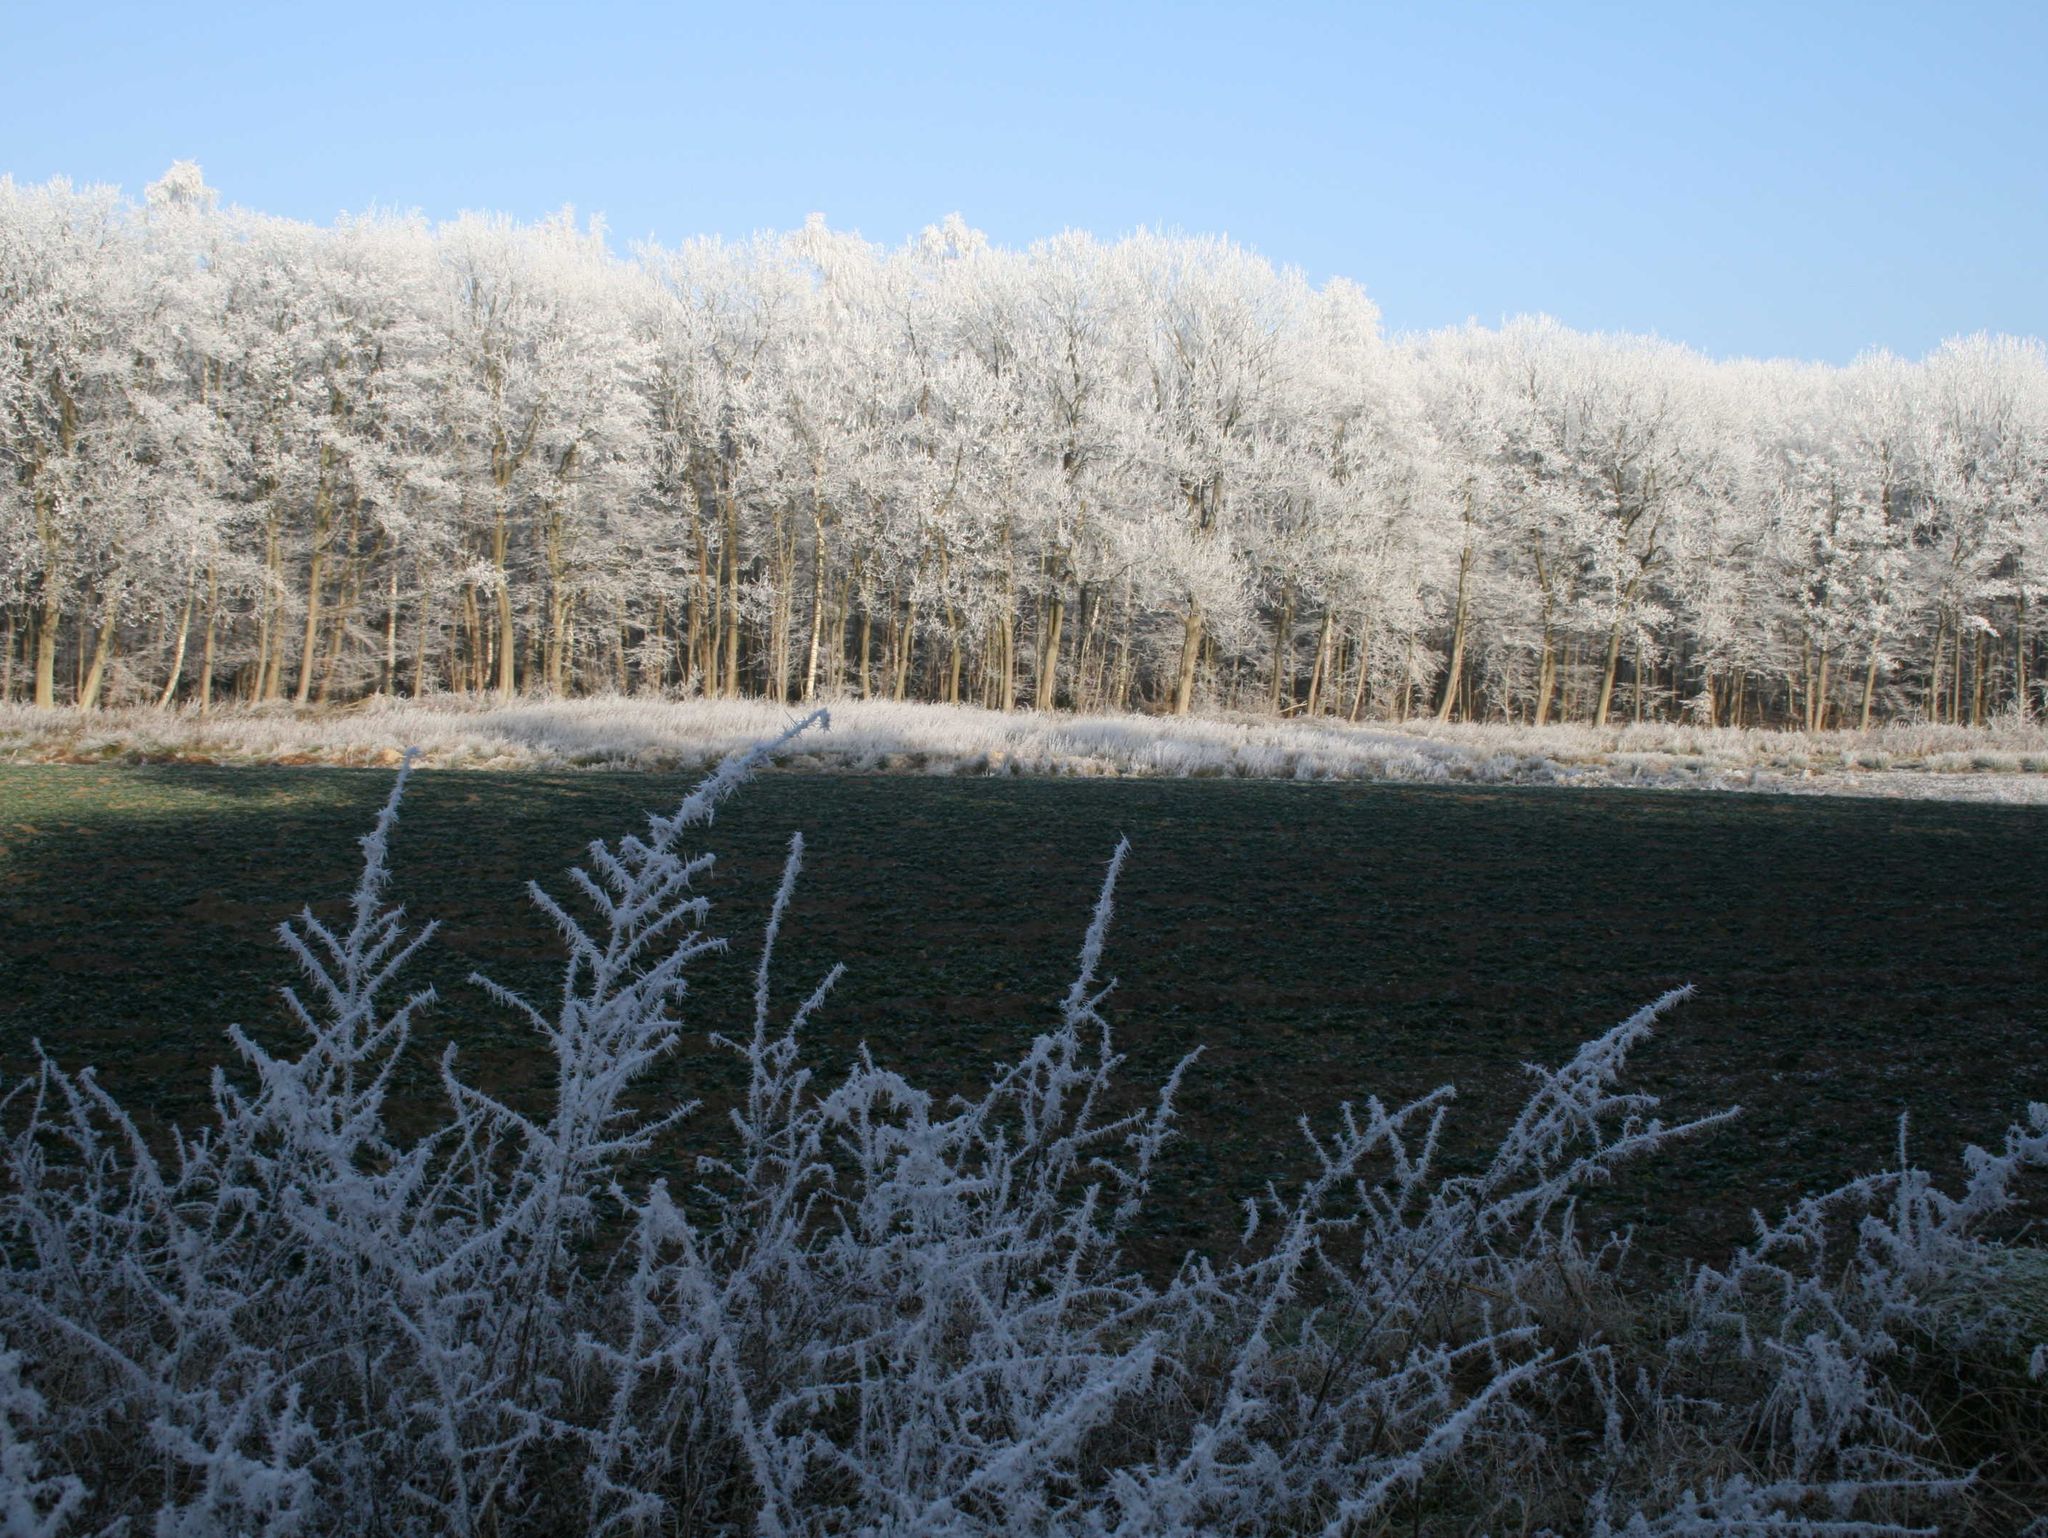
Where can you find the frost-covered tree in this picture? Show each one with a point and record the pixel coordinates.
(251, 456)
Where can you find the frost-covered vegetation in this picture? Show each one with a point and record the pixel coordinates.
(879, 1313)
(245, 457)
(2004, 760)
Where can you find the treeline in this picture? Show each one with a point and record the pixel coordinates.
(252, 459)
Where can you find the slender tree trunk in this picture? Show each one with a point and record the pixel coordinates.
(1320, 672)
(1955, 693)
(956, 653)
(43, 500)
(316, 572)
(1456, 670)
(1080, 632)
(389, 683)
(729, 667)
(1931, 705)
(867, 651)
(163, 701)
(817, 636)
(419, 654)
(2021, 681)
(272, 682)
(1053, 618)
(1006, 659)
(207, 641)
(1607, 675)
(508, 630)
(1364, 681)
(904, 637)
(620, 679)
(102, 652)
(697, 626)
(1190, 654)
(1977, 680)
(1283, 628)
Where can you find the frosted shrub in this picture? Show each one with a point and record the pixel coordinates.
(881, 1313)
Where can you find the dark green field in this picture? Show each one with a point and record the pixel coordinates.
(1854, 959)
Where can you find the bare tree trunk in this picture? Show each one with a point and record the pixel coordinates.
(1190, 654)
(1934, 669)
(620, 679)
(956, 653)
(1279, 683)
(163, 701)
(309, 643)
(43, 500)
(903, 638)
(729, 669)
(389, 683)
(508, 631)
(1977, 680)
(1955, 693)
(817, 634)
(782, 610)
(1637, 680)
(463, 669)
(1607, 676)
(696, 648)
(206, 646)
(1364, 680)
(343, 613)
(46, 651)
(1082, 618)
(1320, 671)
(419, 655)
(1006, 659)
(1054, 616)
(103, 650)
(1456, 669)
(2020, 670)
(270, 642)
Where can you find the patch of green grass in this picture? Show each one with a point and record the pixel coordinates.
(1853, 958)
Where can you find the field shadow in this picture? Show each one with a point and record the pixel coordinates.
(1854, 959)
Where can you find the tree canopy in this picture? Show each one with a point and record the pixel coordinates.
(252, 458)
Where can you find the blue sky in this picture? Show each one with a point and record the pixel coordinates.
(1789, 179)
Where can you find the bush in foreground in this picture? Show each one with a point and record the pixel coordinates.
(881, 1314)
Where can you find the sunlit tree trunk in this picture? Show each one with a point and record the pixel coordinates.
(102, 652)
(316, 571)
(1053, 615)
(1319, 674)
(46, 649)
(1190, 655)
(815, 640)
(170, 691)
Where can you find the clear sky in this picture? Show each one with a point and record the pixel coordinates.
(1783, 179)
